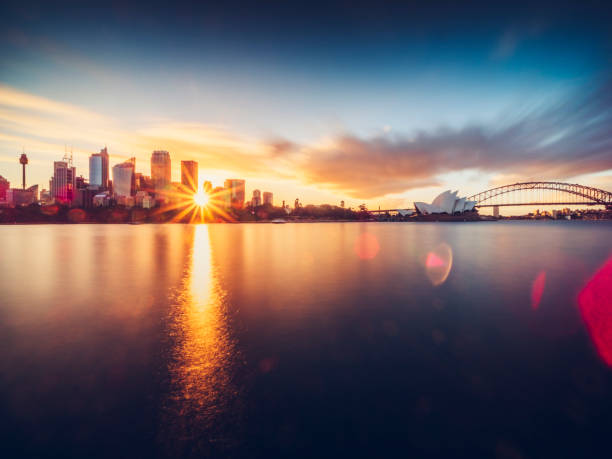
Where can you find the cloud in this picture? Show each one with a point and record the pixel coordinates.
(44, 127)
(570, 137)
(512, 38)
(560, 140)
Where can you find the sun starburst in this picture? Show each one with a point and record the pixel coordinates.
(195, 207)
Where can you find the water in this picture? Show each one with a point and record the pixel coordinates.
(302, 340)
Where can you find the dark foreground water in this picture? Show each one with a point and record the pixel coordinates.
(337, 339)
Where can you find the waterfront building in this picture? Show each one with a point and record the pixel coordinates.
(256, 201)
(98, 170)
(84, 197)
(235, 190)
(189, 175)
(124, 178)
(144, 200)
(63, 182)
(45, 196)
(445, 203)
(21, 197)
(268, 198)
(161, 171)
(5, 185)
(102, 199)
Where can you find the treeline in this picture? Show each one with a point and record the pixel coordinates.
(63, 214)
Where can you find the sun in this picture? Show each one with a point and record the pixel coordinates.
(201, 199)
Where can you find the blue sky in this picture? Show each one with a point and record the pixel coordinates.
(221, 84)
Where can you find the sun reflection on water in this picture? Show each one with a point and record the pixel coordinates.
(202, 392)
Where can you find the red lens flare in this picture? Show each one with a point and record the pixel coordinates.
(537, 289)
(438, 264)
(595, 303)
(366, 246)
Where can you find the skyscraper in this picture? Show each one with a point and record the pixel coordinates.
(235, 190)
(160, 169)
(98, 169)
(189, 175)
(63, 181)
(124, 178)
(268, 198)
(256, 201)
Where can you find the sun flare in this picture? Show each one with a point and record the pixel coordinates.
(201, 198)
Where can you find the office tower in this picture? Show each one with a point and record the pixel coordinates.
(268, 198)
(160, 169)
(124, 178)
(256, 201)
(235, 190)
(63, 181)
(98, 169)
(189, 175)
(207, 186)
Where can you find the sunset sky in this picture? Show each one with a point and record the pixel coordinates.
(382, 104)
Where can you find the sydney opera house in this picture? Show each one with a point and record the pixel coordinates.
(445, 203)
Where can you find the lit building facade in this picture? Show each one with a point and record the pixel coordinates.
(445, 203)
(189, 175)
(5, 185)
(256, 201)
(235, 190)
(161, 169)
(98, 169)
(124, 179)
(268, 198)
(63, 182)
(21, 197)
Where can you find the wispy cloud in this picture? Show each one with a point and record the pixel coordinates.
(567, 138)
(570, 137)
(44, 127)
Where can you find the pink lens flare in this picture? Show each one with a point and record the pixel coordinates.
(366, 246)
(537, 289)
(438, 264)
(595, 303)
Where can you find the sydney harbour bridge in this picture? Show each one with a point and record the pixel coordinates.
(538, 194)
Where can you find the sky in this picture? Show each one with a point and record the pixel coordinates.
(380, 103)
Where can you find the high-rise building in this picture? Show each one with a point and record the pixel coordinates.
(124, 178)
(189, 175)
(268, 198)
(235, 190)
(63, 182)
(98, 169)
(256, 201)
(207, 186)
(161, 169)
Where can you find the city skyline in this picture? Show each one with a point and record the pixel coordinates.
(303, 103)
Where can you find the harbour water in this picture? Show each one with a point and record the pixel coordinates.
(341, 339)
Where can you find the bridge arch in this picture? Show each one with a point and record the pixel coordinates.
(582, 195)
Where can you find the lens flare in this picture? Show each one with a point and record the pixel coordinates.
(366, 246)
(537, 289)
(595, 302)
(438, 264)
